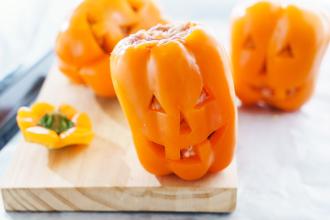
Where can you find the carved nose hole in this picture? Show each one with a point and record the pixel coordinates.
(264, 68)
(249, 43)
(155, 105)
(184, 126)
(286, 52)
(204, 97)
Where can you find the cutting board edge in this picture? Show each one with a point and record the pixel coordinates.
(116, 199)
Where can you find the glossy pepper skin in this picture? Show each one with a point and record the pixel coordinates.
(28, 120)
(175, 87)
(84, 46)
(276, 53)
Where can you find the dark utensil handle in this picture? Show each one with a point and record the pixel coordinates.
(20, 88)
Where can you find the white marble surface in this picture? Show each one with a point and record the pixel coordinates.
(283, 158)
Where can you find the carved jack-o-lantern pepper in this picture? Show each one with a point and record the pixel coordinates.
(276, 53)
(84, 46)
(175, 87)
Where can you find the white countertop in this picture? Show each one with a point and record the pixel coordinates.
(283, 158)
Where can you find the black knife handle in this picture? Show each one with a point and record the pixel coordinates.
(20, 88)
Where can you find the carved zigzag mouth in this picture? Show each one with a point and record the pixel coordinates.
(270, 93)
(189, 152)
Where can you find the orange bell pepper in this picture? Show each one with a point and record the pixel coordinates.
(84, 46)
(45, 125)
(175, 87)
(276, 53)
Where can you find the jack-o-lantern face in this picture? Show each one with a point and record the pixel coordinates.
(276, 53)
(84, 46)
(176, 91)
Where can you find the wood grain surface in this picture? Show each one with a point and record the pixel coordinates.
(106, 175)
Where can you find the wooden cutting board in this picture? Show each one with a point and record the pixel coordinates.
(106, 175)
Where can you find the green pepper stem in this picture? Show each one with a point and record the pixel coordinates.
(56, 121)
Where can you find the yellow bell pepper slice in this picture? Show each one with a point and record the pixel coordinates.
(54, 128)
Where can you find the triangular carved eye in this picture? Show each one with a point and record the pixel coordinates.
(135, 7)
(126, 29)
(91, 19)
(286, 52)
(155, 105)
(204, 97)
(249, 43)
(184, 126)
